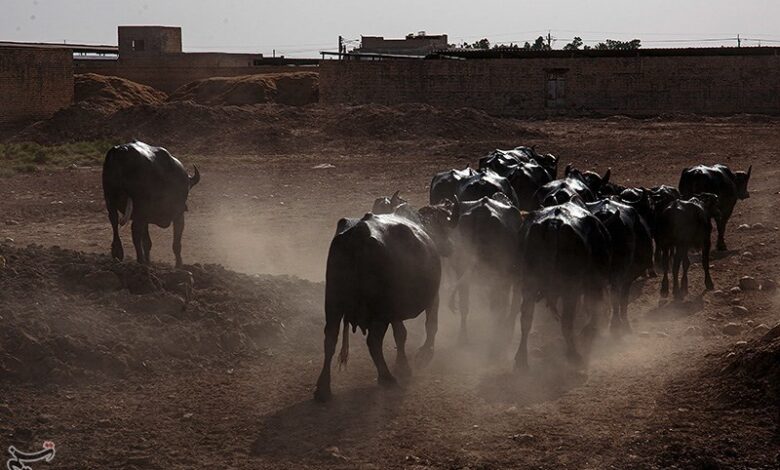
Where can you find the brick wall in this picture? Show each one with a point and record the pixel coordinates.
(34, 82)
(640, 85)
(170, 71)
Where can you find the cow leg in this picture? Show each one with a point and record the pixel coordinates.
(464, 295)
(178, 230)
(138, 228)
(676, 273)
(686, 263)
(322, 393)
(401, 362)
(526, 321)
(592, 301)
(117, 252)
(376, 335)
(615, 324)
(147, 244)
(625, 293)
(721, 224)
(567, 328)
(425, 353)
(705, 264)
(665, 267)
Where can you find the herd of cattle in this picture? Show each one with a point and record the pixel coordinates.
(527, 235)
(512, 225)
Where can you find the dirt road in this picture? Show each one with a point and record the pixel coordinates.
(656, 399)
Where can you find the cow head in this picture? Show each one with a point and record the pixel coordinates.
(741, 178)
(595, 182)
(439, 220)
(709, 202)
(386, 205)
(549, 162)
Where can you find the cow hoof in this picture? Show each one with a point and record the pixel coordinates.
(403, 370)
(575, 359)
(387, 382)
(521, 366)
(651, 273)
(709, 285)
(721, 247)
(424, 356)
(322, 395)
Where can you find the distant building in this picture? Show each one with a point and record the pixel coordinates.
(419, 44)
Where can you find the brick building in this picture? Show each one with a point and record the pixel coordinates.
(35, 82)
(534, 83)
(153, 55)
(420, 44)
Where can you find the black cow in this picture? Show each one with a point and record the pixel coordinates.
(631, 250)
(564, 253)
(498, 160)
(574, 183)
(728, 185)
(469, 185)
(386, 205)
(446, 184)
(684, 225)
(382, 270)
(148, 186)
(485, 251)
(525, 175)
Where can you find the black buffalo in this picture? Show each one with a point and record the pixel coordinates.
(469, 185)
(631, 252)
(728, 185)
(387, 205)
(564, 253)
(382, 270)
(525, 175)
(684, 225)
(148, 186)
(574, 183)
(500, 160)
(485, 251)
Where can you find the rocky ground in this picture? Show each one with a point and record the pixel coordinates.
(130, 367)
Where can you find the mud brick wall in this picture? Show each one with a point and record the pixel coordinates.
(34, 82)
(635, 86)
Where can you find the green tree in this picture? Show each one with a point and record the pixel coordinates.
(613, 45)
(574, 45)
(540, 44)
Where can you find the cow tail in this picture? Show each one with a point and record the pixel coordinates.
(344, 353)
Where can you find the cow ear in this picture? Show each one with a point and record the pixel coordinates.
(395, 197)
(605, 178)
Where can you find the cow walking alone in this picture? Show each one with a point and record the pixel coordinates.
(147, 185)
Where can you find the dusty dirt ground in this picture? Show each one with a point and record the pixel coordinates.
(129, 368)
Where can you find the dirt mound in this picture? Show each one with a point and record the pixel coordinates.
(296, 89)
(109, 94)
(97, 97)
(69, 315)
(759, 361)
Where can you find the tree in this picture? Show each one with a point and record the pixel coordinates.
(574, 45)
(481, 44)
(540, 44)
(611, 44)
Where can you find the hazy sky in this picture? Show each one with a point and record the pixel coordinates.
(302, 28)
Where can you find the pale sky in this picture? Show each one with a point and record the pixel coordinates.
(298, 28)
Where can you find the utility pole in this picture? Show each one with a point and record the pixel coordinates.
(739, 41)
(549, 39)
(341, 42)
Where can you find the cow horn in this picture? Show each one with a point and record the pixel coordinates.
(750, 168)
(605, 179)
(194, 179)
(395, 197)
(567, 170)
